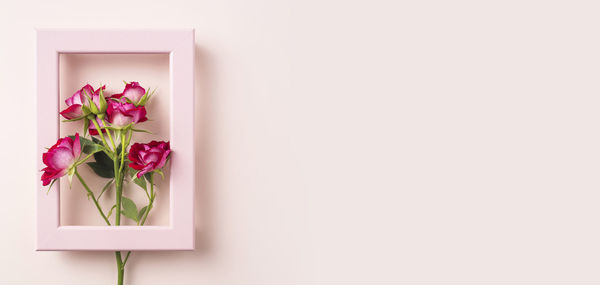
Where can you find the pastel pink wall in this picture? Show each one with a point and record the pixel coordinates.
(351, 142)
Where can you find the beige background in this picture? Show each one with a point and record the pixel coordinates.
(352, 142)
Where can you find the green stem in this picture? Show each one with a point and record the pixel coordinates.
(118, 169)
(118, 192)
(120, 268)
(91, 194)
(123, 147)
(151, 202)
(126, 258)
(129, 136)
(83, 160)
(148, 208)
(109, 135)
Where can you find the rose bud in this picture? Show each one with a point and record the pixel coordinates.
(60, 158)
(79, 105)
(133, 92)
(120, 114)
(148, 157)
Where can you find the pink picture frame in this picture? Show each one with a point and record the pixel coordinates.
(179, 44)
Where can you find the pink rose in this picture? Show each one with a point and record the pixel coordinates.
(79, 99)
(121, 114)
(148, 157)
(133, 91)
(60, 158)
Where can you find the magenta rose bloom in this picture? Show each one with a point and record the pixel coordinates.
(74, 103)
(148, 157)
(133, 91)
(60, 157)
(121, 114)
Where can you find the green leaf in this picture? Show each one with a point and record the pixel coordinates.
(140, 182)
(104, 164)
(101, 170)
(103, 158)
(92, 148)
(129, 208)
(141, 213)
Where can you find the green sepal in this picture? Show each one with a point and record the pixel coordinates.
(159, 171)
(145, 98)
(141, 131)
(70, 174)
(50, 187)
(73, 120)
(86, 126)
(86, 110)
(93, 106)
(103, 104)
(127, 100)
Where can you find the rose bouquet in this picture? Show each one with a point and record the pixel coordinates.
(110, 122)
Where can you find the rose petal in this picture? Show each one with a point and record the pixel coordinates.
(75, 99)
(60, 158)
(134, 94)
(146, 169)
(72, 112)
(163, 159)
(87, 90)
(136, 166)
